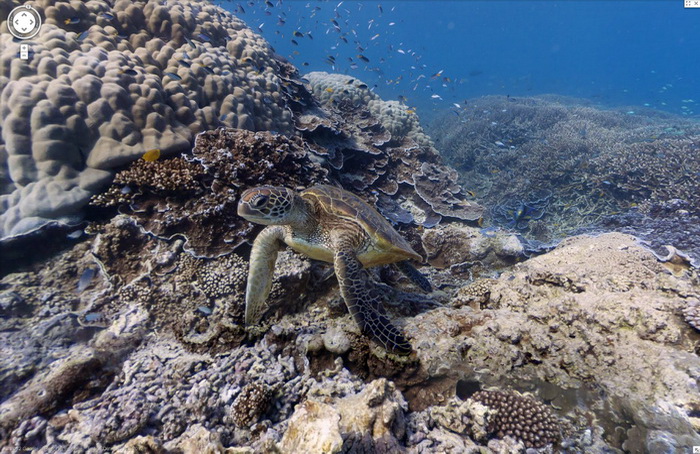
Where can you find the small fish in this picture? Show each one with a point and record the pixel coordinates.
(83, 35)
(374, 37)
(269, 3)
(456, 105)
(173, 76)
(208, 69)
(151, 155)
(436, 96)
(92, 317)
(309, 35)
(185, 63)
(306, 63)
(410, 111)
(295, 42)
(489, 232)
(362, 86)
(129, 72)
(72, 21)
(329, 90)
(204, 37)
(75, 235)
(108, 16)
(392, 24)
(190, 42)
(86, 278)
(363, 58)
(403, 99)
(381, 10)
(298, 34)
(204, 310)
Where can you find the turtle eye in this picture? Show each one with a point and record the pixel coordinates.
(259, 201)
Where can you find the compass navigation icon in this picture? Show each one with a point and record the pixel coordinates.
(24, 22)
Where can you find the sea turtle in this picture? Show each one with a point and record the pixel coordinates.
(333, 225)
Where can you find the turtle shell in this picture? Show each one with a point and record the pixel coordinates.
(346, 205)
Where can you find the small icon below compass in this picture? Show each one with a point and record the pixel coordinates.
(24, 22)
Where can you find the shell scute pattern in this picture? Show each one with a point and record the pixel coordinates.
(348, 206)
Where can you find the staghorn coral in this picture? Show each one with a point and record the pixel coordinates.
(127, 77)
(520, 417)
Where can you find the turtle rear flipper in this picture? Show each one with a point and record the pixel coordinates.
(414, 275)
(262, 267)
(364, 304)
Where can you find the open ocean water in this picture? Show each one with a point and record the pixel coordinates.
(613, 53)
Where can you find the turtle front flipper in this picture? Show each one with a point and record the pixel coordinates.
(261, 269)
(363, 303)
(414, 275)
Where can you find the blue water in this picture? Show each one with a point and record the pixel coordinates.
(614, 53)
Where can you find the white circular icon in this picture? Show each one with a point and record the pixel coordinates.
(24, 22)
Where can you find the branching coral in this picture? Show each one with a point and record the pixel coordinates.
(594, 162)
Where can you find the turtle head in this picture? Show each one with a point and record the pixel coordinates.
(270, 205)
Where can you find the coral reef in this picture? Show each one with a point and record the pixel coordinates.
(598, 165)
(130, 338)
(115, 82)
(567, 327)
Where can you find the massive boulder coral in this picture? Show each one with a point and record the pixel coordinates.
(573, 325)
(107, 83)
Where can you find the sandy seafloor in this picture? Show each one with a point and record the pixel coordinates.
(561, 240)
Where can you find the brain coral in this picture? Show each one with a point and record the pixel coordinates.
(105, 84)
